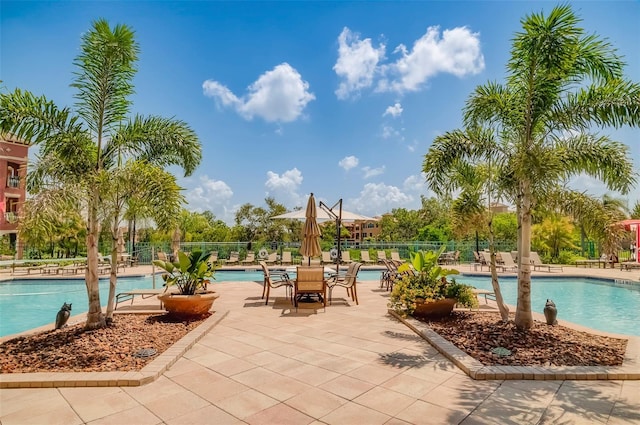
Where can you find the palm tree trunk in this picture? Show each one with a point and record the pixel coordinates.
(502, 307)
(95, 318)
(113, 277)
(524, 318)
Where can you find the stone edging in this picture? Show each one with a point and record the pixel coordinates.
(478, 371)
(147, 374)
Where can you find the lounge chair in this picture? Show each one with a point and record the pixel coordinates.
(286, 258)
(395, 256)
(144, 293)
(275, 280)
(213, 258)
(364, 257)
(346, 257)
(629, 265)
(382, 255)
(537, 263)
(348, 281)
(507, 262)
(272, 258)
(310, 281)
(326, 257)
(486, 257)
(250, 258)
(389, 276)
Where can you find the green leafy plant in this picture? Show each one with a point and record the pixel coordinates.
(426, 281)
(191, 273)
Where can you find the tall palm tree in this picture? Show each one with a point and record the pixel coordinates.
(82, 150)
(562, 84)
(473, 181)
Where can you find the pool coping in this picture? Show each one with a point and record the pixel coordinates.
(147, 374)
(630, 369)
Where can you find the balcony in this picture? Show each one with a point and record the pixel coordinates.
(10, 217)
(13, 181)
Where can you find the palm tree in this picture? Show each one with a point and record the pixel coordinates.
(82, 151)
(474, 183)
(561, 85)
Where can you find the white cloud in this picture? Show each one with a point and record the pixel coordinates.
(348, 162)
(279, 95)
(395, 110)
(211, 195)
(372, 172)
(389, 132)
(379, 198)
(456, 51)
(416, 183)
(285, 187)
(356, 64)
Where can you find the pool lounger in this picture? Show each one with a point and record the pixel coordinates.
(144, 293)
(486, 293)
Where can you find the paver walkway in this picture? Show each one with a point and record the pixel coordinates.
(346, 365)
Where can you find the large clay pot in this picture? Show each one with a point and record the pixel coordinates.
(188, 305)
(435, 309)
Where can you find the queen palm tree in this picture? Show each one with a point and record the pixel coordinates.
(562, 84)
(82, 150)
(475, 185)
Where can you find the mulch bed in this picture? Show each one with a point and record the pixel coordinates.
(477, 333)
(71, 349)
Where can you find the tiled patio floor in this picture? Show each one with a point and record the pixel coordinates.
(346, 365)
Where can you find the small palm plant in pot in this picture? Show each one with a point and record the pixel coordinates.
(191, 274)
(424, 289)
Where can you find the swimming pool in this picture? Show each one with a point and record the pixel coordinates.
(594, 303)
(28, 304)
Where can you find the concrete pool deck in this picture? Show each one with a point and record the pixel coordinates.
(348, 364)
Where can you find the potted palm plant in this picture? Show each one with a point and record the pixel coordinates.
(424, 289)
(190, 274)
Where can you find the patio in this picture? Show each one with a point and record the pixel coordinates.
(351, 364)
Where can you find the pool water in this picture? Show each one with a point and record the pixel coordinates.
(594, 303)
(28, 304)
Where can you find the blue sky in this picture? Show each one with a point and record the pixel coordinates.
(341, 99)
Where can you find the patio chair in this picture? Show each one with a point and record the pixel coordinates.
(275, 280)
(162, 256)
(364, 257)
(382, 255)
(310, 281)
(347, 281)
(507, 262)
(537, 263)
(213, 258)
(250, 258)
(346, 257)
(388, 277)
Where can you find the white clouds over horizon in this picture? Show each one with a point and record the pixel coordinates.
(379, 198)
(457, 51)
(279, 95)
(211, 195)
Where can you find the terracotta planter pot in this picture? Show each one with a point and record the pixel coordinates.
(435, 309)
(188, 305)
